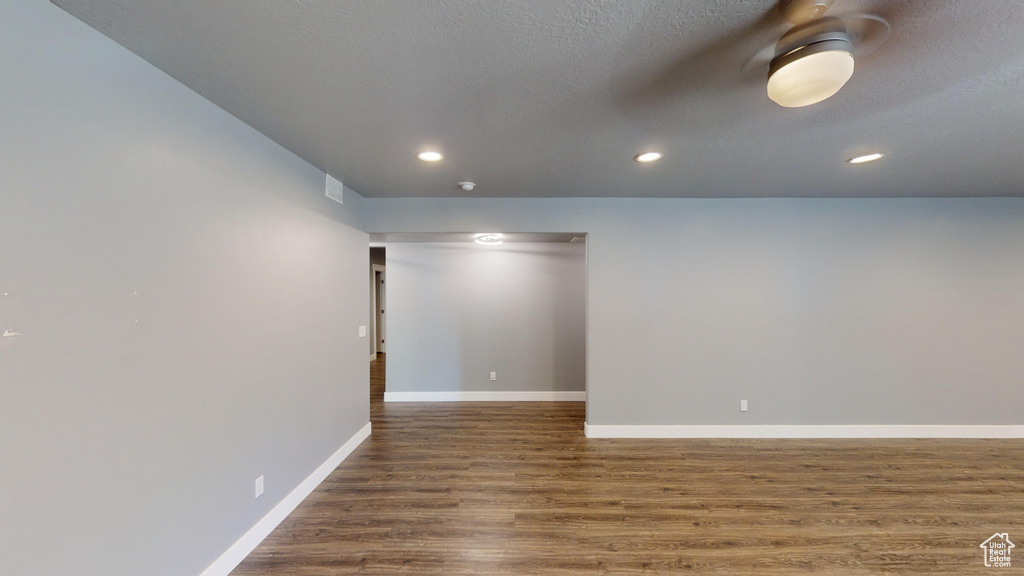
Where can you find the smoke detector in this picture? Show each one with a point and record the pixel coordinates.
(467, 186)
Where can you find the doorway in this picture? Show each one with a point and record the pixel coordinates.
(379, 299)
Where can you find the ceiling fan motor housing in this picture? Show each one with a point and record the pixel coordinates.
(819, 35)
(799, 11)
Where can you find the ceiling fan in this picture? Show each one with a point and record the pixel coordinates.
(709, 78)
(815, 59)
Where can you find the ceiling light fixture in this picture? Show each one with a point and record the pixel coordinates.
(467, 186)
(647, 157)
(489, 239)
(430, 156)
(812, 62)
(866, 158)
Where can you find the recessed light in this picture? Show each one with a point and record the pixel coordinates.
(430, 156)
(866, 158)
(647, 157)
(489, 239)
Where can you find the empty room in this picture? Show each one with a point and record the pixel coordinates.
(654, 287)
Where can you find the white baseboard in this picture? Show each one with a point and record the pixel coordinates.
(785, 431)
(474, 396)
(373, 357)
(248, 542)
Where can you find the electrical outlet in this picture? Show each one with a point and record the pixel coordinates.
(259, 486)
(494, 375)
(743, 405)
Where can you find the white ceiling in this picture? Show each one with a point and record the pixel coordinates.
(549, 98)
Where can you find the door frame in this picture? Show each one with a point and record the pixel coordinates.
(377, 321)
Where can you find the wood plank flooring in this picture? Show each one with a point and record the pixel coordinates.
(515, 488)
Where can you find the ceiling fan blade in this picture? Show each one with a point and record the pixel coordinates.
(716, 68)
(868, 31)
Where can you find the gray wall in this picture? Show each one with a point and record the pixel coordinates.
(131, 448)
(872, 311)
(459, 311)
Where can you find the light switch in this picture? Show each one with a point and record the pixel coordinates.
(362, 331)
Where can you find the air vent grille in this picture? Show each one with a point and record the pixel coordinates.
(334, 189)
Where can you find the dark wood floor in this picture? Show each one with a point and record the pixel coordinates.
(515, 488)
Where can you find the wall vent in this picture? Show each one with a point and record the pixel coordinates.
(334, 188)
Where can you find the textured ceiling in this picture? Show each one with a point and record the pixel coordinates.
(534, 98)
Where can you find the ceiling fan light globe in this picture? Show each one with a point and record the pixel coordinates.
(810, 78)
